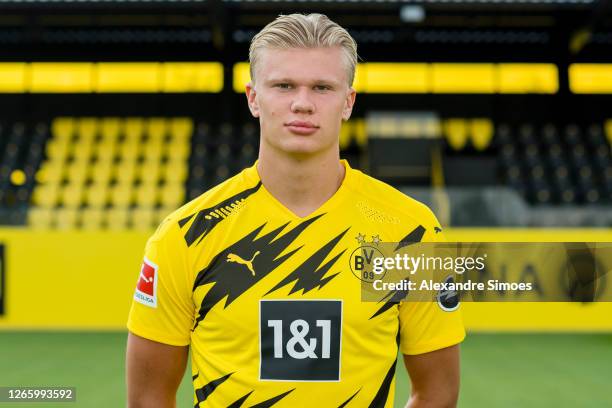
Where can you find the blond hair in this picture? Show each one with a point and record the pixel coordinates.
(304, 31)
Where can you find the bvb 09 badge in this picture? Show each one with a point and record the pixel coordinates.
(362, 259)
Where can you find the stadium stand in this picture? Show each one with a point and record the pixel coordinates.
(113, 173)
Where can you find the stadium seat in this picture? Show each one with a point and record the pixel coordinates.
(456, 131)
(481, 132)
(110, 129)
(46, 195)
(133, 129)
(175, 172)
(40, 217)
(180, 129)
(143, 218)
(87, 129)
(66, 218)
(92, 218)
(121, 195)
(71, 195)
(77, 172)
(148, 172)
(116, 219)
(146, 195)
(63, 128)
(172, 195)
(96, 195)
(157, 129)
(125, 172)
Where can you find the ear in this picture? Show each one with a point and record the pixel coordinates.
(251, 95)
(348, 104)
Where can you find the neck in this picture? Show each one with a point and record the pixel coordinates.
(301, 183)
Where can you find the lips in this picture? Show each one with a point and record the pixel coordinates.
(301, 127)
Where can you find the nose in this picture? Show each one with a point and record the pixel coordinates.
(302, 102)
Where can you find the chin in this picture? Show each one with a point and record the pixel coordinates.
(303, 145)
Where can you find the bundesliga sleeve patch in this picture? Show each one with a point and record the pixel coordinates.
(146, 288)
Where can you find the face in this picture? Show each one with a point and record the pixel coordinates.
(301, 97)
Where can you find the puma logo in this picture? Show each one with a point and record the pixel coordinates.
(437, 229)
(238, 259)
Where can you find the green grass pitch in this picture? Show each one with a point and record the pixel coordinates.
(498, 370)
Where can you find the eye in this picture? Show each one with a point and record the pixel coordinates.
(322, 87)
(283, 85)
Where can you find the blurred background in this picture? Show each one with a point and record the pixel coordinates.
(497, 114)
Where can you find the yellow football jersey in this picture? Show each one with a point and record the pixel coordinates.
(269, 304)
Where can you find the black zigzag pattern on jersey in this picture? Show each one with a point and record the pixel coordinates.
(395, 296)
(380, 399)
(307, 276)
(415, 236)
(208, 218)
(349, 400)
(232, 279)
(203, 393)
(269, 402)
(238, 403)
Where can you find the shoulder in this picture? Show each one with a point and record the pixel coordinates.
(217, 202)
(379, 195)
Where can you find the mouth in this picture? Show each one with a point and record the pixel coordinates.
(301, 127)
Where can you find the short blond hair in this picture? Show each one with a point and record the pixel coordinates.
(304, 31)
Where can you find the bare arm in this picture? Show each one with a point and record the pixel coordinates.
(154, 372)
(434, 377)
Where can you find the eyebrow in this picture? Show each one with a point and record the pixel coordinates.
(315, 82)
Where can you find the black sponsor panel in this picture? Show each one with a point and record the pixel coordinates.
(300, 340)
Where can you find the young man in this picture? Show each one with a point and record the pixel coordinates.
(254, 274)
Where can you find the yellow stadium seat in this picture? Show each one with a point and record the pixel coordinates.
(105, 151)
(608, 128)
(172, 195)
(146, 195)
(481, 132)
(46, 195)
(66, 218)
(63, 128)
(157, 128)
(153, 150)
(96, 195)
(129, 149)
(133, 128)
(148, 172)
(116, 218)
(360, 132)
(72, 195)
(87, 128)
(121, 195)
(110, 128)
(77, 172)
(40, 217)
(101, 172)
(92, 218)
(175, 172)
(143, 218)
(456, 133)
(181, 128)
(58, 149)
(82, 150)
(51, 172)
(346, 135)
(178, 150)
(125, 172)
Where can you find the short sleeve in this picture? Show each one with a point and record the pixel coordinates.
(429, 325)
(162, 308)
